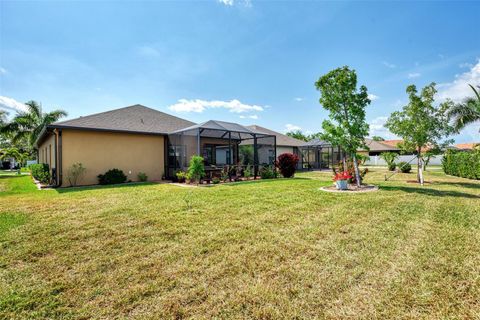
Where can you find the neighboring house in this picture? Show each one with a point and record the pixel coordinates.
(466, 146)
(139, 139)
(375, 148)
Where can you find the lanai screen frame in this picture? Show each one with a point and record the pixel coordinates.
(319, 145)
(235, 137)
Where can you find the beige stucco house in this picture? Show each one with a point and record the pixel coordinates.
(139, 139)
(132, 139)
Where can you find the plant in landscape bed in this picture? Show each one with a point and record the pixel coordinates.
(268, 172)
(247, 172)
(41, 172)
(404, 167)
(112, 176)
(341, 180)
(142, 177)
(196, 169)
(390, 158)
(74, 173)
(287, 163)
(181, 176)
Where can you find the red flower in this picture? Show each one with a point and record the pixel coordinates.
(342, 176)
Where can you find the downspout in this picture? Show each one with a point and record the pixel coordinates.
(59, 165)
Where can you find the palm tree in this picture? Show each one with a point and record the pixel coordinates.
(27, 125)
(466, 112)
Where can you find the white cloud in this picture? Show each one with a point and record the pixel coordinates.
(414, 75)
(253, 116)
(230, 3)
(226, 2)
(299, 99)
(389, 65)
(3, 70)
(459, 89)
(291, 127)
(377, 128)
(197, 105)
(12, 104)
(466, 65)
(373, 97)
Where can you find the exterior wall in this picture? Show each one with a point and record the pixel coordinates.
(46, 152)
(101, 151)
(281, 150)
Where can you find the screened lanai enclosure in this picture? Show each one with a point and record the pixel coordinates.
(319, 154)
(221, 144)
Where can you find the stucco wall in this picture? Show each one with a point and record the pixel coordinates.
(46, 151)
(102, 151)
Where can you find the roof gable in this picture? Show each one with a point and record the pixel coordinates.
(136, 118)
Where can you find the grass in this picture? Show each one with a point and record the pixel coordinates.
(266, 249)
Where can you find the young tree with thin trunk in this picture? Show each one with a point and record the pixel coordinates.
(346, 103)
(420, 124)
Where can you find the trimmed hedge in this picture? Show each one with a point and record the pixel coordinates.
(465, 164)
(40, 171)
(405, 167)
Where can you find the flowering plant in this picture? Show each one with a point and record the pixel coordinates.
(342, 176)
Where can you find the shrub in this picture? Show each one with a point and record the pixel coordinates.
(389, 158)
(74, 173)
(405, 167)
(142, 176)
(215, 180)
(465, 164)
(287, 163)
(196, 169)
(351, 170)
(40, 172)
(112, 176)
(247, 172)
(268, 172)
(181, 176)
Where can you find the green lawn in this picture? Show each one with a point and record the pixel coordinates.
(267, 249)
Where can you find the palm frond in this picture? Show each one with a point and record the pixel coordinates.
(476, 92)
(34, 109)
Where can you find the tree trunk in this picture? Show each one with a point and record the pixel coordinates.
(344, 162)
(357, 171)
(419, 167)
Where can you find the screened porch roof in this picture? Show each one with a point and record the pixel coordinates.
(220, 129)
(316, 143)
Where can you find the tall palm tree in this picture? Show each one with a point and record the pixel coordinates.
(27, 125)
(466, 112)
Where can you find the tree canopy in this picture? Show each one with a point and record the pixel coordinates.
(27, 125)
(421, 124)
(466, 112)
(298, 134)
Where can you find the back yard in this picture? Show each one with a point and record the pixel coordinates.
(266, 249)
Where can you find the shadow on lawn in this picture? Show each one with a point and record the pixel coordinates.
(468, 185)
(103, 187)
(262, 181)
(431, 192)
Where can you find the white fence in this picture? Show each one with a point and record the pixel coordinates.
(377, 161)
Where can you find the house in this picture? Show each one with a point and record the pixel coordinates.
(285, 144)
(375, 148)
(466, 146)
(138, 139)
(132, 139)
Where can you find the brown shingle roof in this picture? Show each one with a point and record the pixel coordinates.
(282, 139)
(379, 146)
(136, 118)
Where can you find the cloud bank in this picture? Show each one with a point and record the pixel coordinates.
(12, 104)
(197, 105)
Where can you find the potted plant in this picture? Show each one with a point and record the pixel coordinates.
(341, 180)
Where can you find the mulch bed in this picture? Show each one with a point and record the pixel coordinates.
(351, 189)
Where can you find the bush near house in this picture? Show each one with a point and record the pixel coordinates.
(196, 169)
(268, 172)
(112, 176)
(287, 163)
(462, 164)
(142, 176)
(405, 167)
(41, 172)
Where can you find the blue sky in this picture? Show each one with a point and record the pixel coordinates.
(241, 61)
